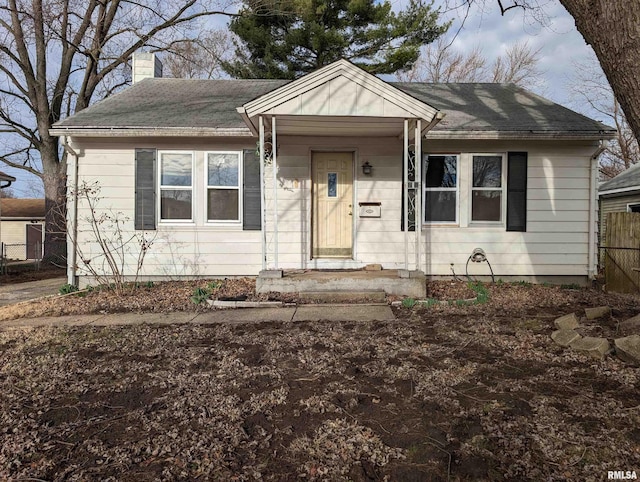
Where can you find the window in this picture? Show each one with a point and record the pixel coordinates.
(633, 208)
(176, 186)
(223, 186)
(441, 189)
(487, 187)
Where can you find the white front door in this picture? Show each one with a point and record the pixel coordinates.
(332, 192)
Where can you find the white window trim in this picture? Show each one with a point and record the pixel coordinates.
(181, 222)
(503, 188)
(436, 189)
(239, 188)
(632, 204)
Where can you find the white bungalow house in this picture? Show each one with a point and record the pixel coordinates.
(338, 170)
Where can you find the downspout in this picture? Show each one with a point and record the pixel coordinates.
(72, 237)
(593, 208)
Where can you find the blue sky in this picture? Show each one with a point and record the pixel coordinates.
(561, 46)
(560, 42)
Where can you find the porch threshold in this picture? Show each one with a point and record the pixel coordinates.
(344, 281)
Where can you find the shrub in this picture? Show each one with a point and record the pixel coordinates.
(66, 288)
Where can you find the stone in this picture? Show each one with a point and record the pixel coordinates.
(270, 273)
(598, 312)
(564, 337)
(630, 326)
(628, 349)
(567, 322)
(373, 267)
(594, 347)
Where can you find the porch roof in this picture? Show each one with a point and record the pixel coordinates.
(339, 99)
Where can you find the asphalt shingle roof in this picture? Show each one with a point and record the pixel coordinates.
(626, 179)
(22, 208)
(161, 103)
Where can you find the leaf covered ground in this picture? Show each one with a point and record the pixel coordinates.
(474, 392)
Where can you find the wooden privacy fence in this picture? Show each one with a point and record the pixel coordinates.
(621, 253)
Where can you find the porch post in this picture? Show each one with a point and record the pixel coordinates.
(262, 193)
(418, 192)
(274, 166)
(405, 194)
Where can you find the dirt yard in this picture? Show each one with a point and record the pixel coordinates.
(447, 392)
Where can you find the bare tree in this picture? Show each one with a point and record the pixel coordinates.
(439, 62)
(56, 57)
(7, 193)
(589, 88)
(611, 27)
(199, 58)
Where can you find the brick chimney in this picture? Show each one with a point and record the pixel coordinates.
(145, 65)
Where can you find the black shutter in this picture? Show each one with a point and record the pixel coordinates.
(145, 197)
(251, 196)
(517, 191)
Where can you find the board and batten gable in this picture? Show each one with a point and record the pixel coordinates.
(191, 249)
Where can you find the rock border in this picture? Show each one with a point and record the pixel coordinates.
(625, 348)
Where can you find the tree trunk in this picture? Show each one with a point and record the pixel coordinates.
(54, 177)
(612, 28)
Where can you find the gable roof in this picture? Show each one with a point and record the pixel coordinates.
(626, 181)
(182, 107)
(338, 89)
(22, 208)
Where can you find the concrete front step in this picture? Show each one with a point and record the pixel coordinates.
(332, 296)
(304, 281)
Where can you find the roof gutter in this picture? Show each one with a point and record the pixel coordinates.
(622, 190)
(95, 131)
(520, 135)
(593, 208)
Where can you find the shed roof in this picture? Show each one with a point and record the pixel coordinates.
(473, 108)
(628, 180)
(22, 208)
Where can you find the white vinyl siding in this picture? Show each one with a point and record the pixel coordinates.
(179, 250)
(555, 243)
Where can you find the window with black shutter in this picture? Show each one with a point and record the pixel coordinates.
(517, 191)
(145, 184)
(251, 195)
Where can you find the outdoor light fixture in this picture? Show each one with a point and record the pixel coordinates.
(366, 168)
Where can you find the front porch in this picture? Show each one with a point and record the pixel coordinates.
(359, 283)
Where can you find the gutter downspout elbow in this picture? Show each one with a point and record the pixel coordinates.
(72, 237)
(593, 209)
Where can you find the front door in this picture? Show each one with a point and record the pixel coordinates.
(34, 241)
(332, 176)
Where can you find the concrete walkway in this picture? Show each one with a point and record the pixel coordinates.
(375, 312)
(16, 292)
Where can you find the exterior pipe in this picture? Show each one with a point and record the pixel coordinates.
(72, 237)
(275, 191)
(593, 209)
(262, 194)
